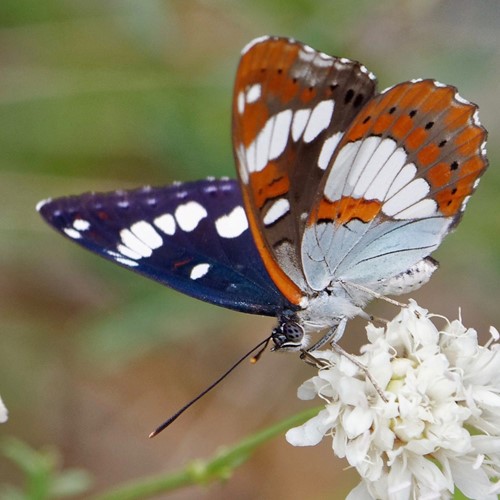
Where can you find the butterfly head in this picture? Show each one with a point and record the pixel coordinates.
(289, 335)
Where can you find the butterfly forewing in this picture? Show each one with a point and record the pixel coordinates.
(398, 183)
(291, 106)
(192, 237)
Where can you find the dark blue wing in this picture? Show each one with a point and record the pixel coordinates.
(192, 237)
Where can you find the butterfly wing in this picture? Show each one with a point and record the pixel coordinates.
(397, 185)
(291, 106)
(192, 237)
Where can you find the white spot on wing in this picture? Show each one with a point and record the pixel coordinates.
(241, 102)
(380, 170)
(131, 241)
(460, 99)
(323, 62)
(402, 179)
(253, 93)
(305, 56)
(464, 203)
(126, 262)
(261, 147)
(340, 170)
(277, 210)
(81, 224)
(424, 208)
(475, 118)
(321, 117)
(328, 149)
(41, 203)
(406, 197)
(189, 215)
(199, 271)
(365, 153)
(300, 119)
(166, 223)
(146, 233)
(378, 188)
(233, 224)
(366, 71)
(72, 233)
(281, 132)
(388, 88)
(253, 42)
(123, 250)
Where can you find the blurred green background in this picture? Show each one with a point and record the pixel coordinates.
(104, 95)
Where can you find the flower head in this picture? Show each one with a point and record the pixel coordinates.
(438, 424)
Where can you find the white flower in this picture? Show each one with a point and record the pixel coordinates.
(3, 412)
(439, 426)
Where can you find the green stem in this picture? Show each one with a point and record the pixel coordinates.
(219, 467)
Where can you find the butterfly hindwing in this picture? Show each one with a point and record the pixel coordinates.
(396, 186)
(291, 106)
(192, 237)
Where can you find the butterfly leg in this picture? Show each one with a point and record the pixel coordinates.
(378, 319)
(313, 360)
(369, 291)
(331, 336)
(362, 367)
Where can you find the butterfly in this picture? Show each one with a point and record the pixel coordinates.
(342, 195)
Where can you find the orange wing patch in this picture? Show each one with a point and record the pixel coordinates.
(272, 182)
(346, 209)
(439, 175)
(264, 65)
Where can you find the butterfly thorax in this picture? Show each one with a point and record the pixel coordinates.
(320, 317)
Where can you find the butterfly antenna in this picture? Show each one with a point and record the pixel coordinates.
(261, 346)
(256, 358)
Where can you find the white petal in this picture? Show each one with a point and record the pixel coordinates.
(472, 483)
(307, 391)
(360, 492)
(486, 444)
(352, 391)
(398, 482)
(357, 421)
(427, 473)
(486, 397)
(310, 433)
(357, 449)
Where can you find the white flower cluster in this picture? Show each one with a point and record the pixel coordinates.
(440, 424)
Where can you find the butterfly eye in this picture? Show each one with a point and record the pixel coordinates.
(288, 336)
